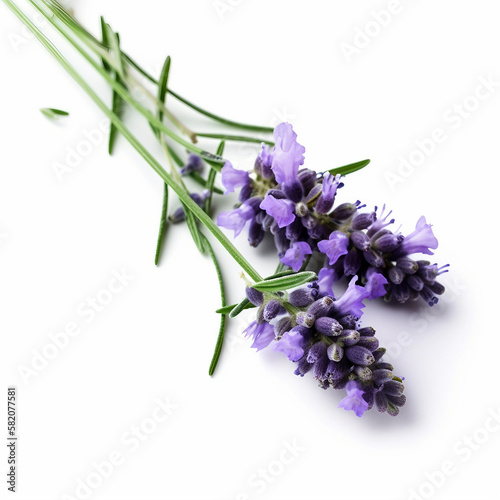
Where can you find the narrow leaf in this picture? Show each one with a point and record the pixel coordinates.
(285, 282)
(349, 169)
(53, 113)
(163, 224)
(239, 308)
(228, 309)
(220, 337)
(211, 179)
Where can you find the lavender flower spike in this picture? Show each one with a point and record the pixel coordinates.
(233, 178)
(354, 400)
(421, 240)
(288, 154)
(296, 254)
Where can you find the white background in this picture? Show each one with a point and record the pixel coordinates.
(261, 62)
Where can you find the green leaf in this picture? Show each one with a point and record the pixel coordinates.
(193, 228)
(53, 113)
(163, 224)
(220, 337)
(349, 169)
(285, 282)
(239, 308)
(236, 138)
(228, 309)
(211, 179)
(112, 40)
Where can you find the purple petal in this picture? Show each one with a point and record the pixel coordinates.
(375, 286)
(233, 178)
(280, 210)
(352, 300)
(354, 400)
(326, 278)
(236, 219)
(288, 154)
(421, 240)
(295, 255)
(262, 334)
(335, 246)
(291, 344)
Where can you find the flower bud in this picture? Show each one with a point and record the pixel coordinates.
(387, 243)
(360, 240)
(396, 275)
(382, 376)
(272, 309)
(363, 221)
(349, 337)
(317, 351)
(307, 178)
(344, 212)
(320, 368)
(408, 266)
(352, 262)
(282, 326)
(363, 372)
(393, 388)
(373, 258)
(328, 326)
(335, 352)
(302, 297)
(305, 319)
(415, 282)
(321, 307)
(359, 355)
(254, 296)
(371, 343)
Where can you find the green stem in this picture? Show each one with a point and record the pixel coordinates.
(62, 14)
(122, 91)
(183, 197)
(237, 138)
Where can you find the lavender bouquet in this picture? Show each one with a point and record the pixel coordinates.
(318, 242)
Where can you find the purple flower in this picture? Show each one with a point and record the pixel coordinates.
(326, 277)
(375, 286)
(329, 190)
(354, 400)
(236, 219)
(291, 344)
(194, 164)
(352, 300)
(295, 255)
(262, 334)
(421, 240)
(233, 178)
(288, 154)
(335, 246)
(281, 210)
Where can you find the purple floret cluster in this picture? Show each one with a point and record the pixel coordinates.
(323, 336)
(297, 207)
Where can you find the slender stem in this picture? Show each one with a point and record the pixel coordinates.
(123, 92)
(183, 197)
(62, 14)
(237, 138)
